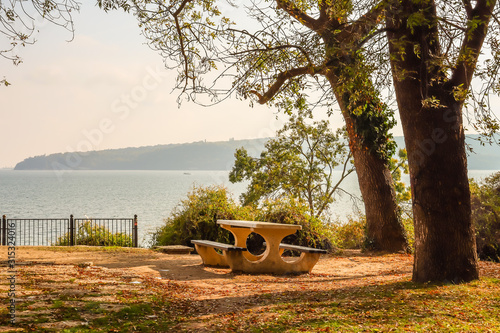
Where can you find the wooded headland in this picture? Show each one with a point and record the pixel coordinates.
(200, 155)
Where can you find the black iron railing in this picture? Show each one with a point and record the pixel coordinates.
(69, 232)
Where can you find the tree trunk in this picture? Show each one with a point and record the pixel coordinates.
(445, 247)
(385, 232)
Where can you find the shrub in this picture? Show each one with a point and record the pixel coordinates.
(410, 230)
(314, 232)
(196, 216)
(485, 201)
(91, 234)
(350, 234)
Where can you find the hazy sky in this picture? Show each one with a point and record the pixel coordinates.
(106, 89)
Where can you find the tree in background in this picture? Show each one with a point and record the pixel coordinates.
(20, 21)
(281, 52)
(297, 163)
(435, 48)
(399, 166)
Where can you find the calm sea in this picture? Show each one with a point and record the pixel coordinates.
(152, 195)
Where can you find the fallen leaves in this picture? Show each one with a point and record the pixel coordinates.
(342, 294)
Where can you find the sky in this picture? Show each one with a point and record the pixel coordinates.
(107, 89)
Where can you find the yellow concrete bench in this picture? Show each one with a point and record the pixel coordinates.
(210, 257)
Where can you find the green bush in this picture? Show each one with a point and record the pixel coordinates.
(314, 232)
(350, 234)
(410, 230)
(485, 200)
(94, 235)
(196, 216)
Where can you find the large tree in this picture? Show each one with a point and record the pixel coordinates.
(287, 50)
(435, 47)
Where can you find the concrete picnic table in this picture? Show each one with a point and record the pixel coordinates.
(270, 262)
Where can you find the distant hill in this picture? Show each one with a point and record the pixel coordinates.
(199, 156)
(480, 157)
(188, 156)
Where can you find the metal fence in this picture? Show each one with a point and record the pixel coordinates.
(69, 232)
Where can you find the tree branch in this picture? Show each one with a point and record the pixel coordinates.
(181, 41)
(345, 173)
(468, 8)
(473, 41)
(279, 47)
(282, 78)
(367, 22)
(298, 14)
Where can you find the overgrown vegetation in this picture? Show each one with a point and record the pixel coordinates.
(196, 218)
(351, 234)
(486, 216)
(95, 235)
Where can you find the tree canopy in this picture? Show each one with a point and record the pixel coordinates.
(464, 56)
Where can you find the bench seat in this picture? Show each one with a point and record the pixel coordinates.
(284, 246)
(301, 248)
(217, 245)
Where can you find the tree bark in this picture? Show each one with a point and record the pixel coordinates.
(385, 231)
(444, 235)
(445, 247)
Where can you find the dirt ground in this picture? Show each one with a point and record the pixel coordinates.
(218, 290)
(349, 266)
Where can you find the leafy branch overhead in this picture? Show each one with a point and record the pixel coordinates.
(275, 40)
(20, 22)
(277, 51)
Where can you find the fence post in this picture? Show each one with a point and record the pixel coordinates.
(4, 230)
(134, 232)
(71, 231)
